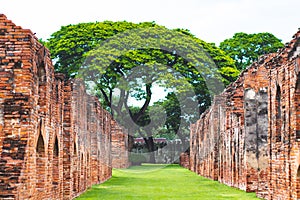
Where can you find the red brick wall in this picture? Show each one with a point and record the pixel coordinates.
(248, 138)
(184, 160)
(55, 139)
(120, 146)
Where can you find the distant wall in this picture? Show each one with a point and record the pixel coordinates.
(166, 152)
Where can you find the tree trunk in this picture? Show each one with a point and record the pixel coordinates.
(151, 148)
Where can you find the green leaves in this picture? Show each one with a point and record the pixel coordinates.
(126, 58)
(246, 48)
(69, 45)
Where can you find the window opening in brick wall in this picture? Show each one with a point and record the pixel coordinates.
(278, 114)
(55, 148)
(75, 169)
(57, 92)
(297, 108)
(42, 73)
(55, 168)
(88, 166)
(40, 161)
(234, 168)
(75, 149)
(82, 174)
(41, 81)
(298, 183)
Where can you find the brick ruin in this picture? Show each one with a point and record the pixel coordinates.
(250, 136)
(120, 142)
(55, 139)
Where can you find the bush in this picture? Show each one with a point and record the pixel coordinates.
(137, 159)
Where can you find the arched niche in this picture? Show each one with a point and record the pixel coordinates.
(75, 169)
(41, 73)
(298, 183)
(297, 107)
(278, 114)
(55, 162)
(40, 161)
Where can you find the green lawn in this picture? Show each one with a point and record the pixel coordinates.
(162, 182)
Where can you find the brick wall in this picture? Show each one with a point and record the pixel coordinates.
(55, 139)
(184, 160)
(249, 138)
(119, 150)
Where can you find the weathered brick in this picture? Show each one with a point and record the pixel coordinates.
(252, 143)
(55, 139)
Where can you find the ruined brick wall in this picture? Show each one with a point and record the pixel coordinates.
(184, 160)
(284, 125)
(249, 138)
(120, 146)
(55, 139)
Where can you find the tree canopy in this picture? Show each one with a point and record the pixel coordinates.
(246, 48)
(70, 45)
(125, 60)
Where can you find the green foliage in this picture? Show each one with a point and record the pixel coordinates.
(162, 182)
(42, 42)
(133, 57)
(69, 46)
(71, 42)
(171, 59)
(246, 48)
(165, 133)
(171, 105)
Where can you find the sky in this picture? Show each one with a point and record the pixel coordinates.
(210, 20)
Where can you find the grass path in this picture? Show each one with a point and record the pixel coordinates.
(162, 182)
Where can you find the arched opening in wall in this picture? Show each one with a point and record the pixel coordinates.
(55, 164)
(298, 183)
(297, 107)
(40, 163)
(278, 115)
(82, 173)
(41, 73)
(234, 169)
(74, 149)
(88, 169)
(57, 92)
(75, 169)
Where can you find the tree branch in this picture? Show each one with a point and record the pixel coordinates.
(105, 95)
(137, 116)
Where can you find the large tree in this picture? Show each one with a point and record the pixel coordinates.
(246, 48)
(69, 47)
(69, 44)
(131, 59)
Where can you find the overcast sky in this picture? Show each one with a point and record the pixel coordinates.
(210, 20)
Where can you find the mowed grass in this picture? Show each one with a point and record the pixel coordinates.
(162, 182)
